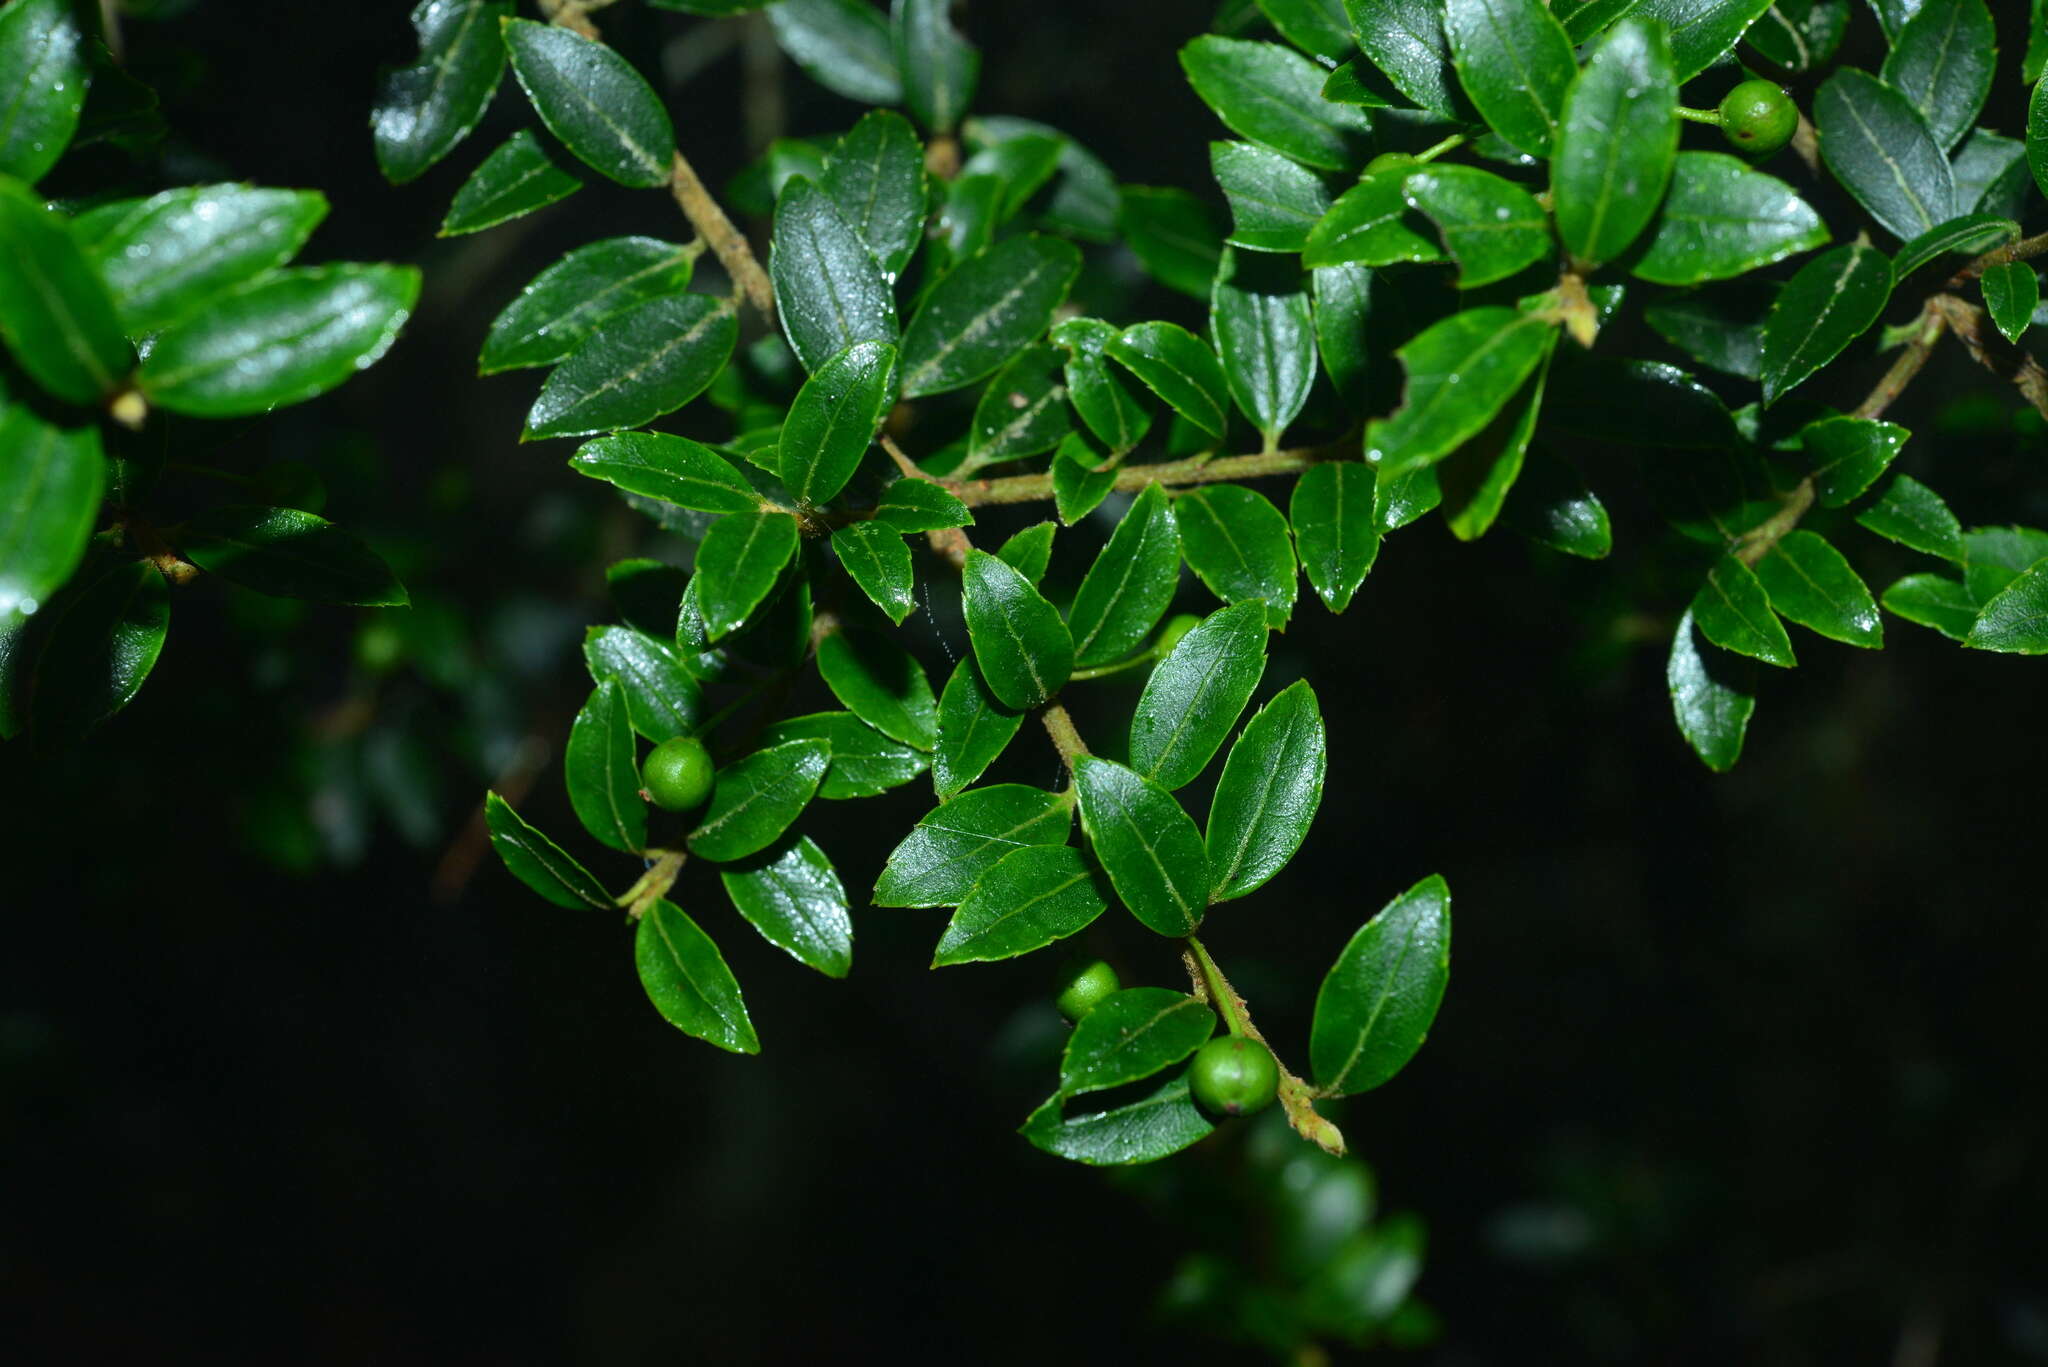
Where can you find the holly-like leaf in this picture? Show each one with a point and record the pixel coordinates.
(875, 174)
(833, 420)
(1132, 1034)
(843, 45)
(1028, 899)
(1274, 97)
(882, 684)
(1274, 202)
(55, 312)
(1266, 341)
(875, 557)
(1617, 140)
(594, 101)
(1723, 219)
(44, 74)
(51, 479)
(1020, 643)
(603, 779)
(1180, 368)
(1196, 694)
(635, 366)
(662, 700)
(1941, 61)
(1161, 1124)
(755, 799)
(1876, 144)
(538, 862)
(289, 554)
(1147, 844)
(565, 303)
(1271, 785)
(1733, 611)
(974, 729)
(829, 289)
(1336, 533)
(673, 469)
(985, 311)
(2011, 293)
(1376, 1006)
(1514, 60)
(793, 896)
(514, 180)
(164, 256)
(1831, 302)
(1712, 696)
(948, 852)
(1237, 544)
(1128, 588)
(1461, 371)
(424, 109)
(1809, 582)
(686, 978)
(938, 67)
(865, 763)
(1913, 515)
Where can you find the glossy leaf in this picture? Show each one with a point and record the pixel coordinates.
(1104, 401)
(1132, 1034)
(1800, 35)
(673, 469)
(1553, 507)
(1848, 455)
(1029, 551)
(1701, 30)
(1991, 174)
(843, 45)
(1237, 543)
(1723, 219)
(1196, 694)
(1712, 696)
(44, 74)
(918, 505)
(830, 292)
(564, 303)
(1875, 143)
(1274, 202)
(1941, 61)
(865, 763)
(738, 564)
(878, 561)
(51, 479)
(1913, 515)
(600, 768)
(1491, 227)
(1720, 328)
(105, 630)
(1271, 786)
(1335, 532)
(686, 978)
(1081, 479)
(165, 256)
(985, 311)
(793, 896)
(1266, 341)
(1406, 40)
(512, 181)
(635, 366)
(974, 729)
(1969, 235)
(875, 175)
(1148, 846)
(538, 862)
(56, 314)
(756, 798)
(1343, 310)
(1934, 601)
(424, 109)
(1377, 1003)
(1371, 224)
(1130, 585)
(1831, 302)
(1022, 163)
(662, 700)
(594, 101)
(1143, 1131)
(1994, 557)
(938, 67)
(882, 684)
(1733, 611)
(1461, 371)
(1028, 899)
(2037, 135)
(1617, 141)
(1273, 96)
(290, 554)
(1475, 480)
(948, 852)
(1318, 27)
(1020, 643)
(2011, 293)
(1180, 368)
(1023, 412)
(1809, 582)
(2015, 620)
(1514, 61)
(833, 420)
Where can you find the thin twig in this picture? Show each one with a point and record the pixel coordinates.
(728, 243)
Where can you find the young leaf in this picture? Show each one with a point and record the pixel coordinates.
(164, 256)
(1617, 141)
(688, 982)
(1104, 402)
(564, 303)
(1514, 61)
(2011, 292)
(833, 420)
(984, 311)
(1490, 226)
(1461, 371)
(1712, 696)
(1370, 225)
(2015, 619)
(1941, 61)
(1375, 1007)
(1271, 785)
(1147, 844)
(600, 770)
(918, 505)
(1028, 899)
(1179, 367)
(51, 479)
(1335, 532)
(949, 851)
(1237, 543)
(1023, 412)
(1848, 455)
(882, 684)
(974, 728)
(738, 563)
(514, 180)
(289, 554)
(1029, 551)
(1274, 97)
(1163, 1123)
(1196, 694)
(1132, 1034)
(538, 862)
(843, 45)
(875, 174)
(635, 366)
(938, 67)
(425, 109)
(55, 312)
(1809, 582)
(662, 700)
(594, 101)
(1831, 302)
(1723, 219)
(1934, 601)
(1406, 40)
(673, 469)
(1020, 642)
(829, 290)
(1733, 611)
(794, 898)
(1875, 143)
(1913, 515)
(1266, 341)
(865, 763)
(1274, 203)
(877, 560)
(1128, 588)
(1701, 30)
(756, 798)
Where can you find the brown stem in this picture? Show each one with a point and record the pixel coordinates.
(728, 243)
(2026, 249)
(1990, 350)
(1172, 473)
(573, 15)
(1066, 739)
(949, 543)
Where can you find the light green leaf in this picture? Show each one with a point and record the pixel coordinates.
(1163, 1123)
(1461, 371)
(2011, 292)
(55, 312)
(882, 684)
(1848, 455)
(673, 469)
(564, 303)
(1712, 696)
(423, 110)
(2015, 620)
(757, 797)
(1081, 478)
(1029, 551)
(688, 982)
(602, 775)
(1875, 143)
(635, 366)
(1028, 899)
(865, 763)
(1336, 533)
(1273, 202)
(289, 554)
(1514, 61)
(1237, 543)
(829, 289)
(1733, 611)
(1490, 226)
(1933, 600)
(1130, 585)
(1179, 367)
(164, 256)
(794, 898)
(917, 505)
(512, 181)
(1371, 224)
(44, 74)
(1196, 694)
(51, 479)
(1271, 786)
(1274, 97)
(1810, 583)
(1147, 844)
(1266, 341)
(1617, 141)
(1723, 219)
(594, 101)
(1913, 515)
(877, 560)
(1375, 1008)
(538, 862)
(661, 698)
(1831, 302)
(985, 311)
(1020, 642)
(947, 852)
(1132, 1034)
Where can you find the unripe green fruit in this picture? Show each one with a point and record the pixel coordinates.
(1083, 983)
(1758, 117)
(1232, 1075)
(1176, 627)
(677, 774)
(1388, 160)
(379, 646)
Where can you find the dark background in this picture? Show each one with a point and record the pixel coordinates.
(1741, 1068)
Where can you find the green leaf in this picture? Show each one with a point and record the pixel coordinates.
(974, 728)
(1876, 145)
(1273, 96)
(1970, 234)
(1179, 367)
(833, 420)
(165, 256)
(1163, 1123)
(423, 110)
(1028, 899)
(514, 180)
(1712, 696)
(1023, 412)
(635, 366)
(985, 311)
(882, 684)
(1913, 515)
(1020, 642)
(564, 303)
(662, 700)
(1993, 557)
(105, 631)
(1514, 61)
(538, 862)
(1941, 61)
(2011, 292)
(865, 763)
(1800, 35)
(843, 45)
(599, 766)
(1932, 600)
(673, 469)
(794, 898)
(55, 312)
(1405, 39)
(1734, 612)
(1237, 544)
(1461, 371)
(2015, 620)
(594, 101)
(938, 66)
(1266, 341)
(1147, 844)
(1358, 82)
(757, 797)
(645, 593)
(2037, 134)
(51, 479)
(1029, 551)
(918, 505)
(1617, 141)
(1130, 585)
(1831, 302)
(43, 70)
(1475, 480)
(1723, 219)
(966, 221)
(1318, 27)
(1274, 203)
(1196, 694)
(1023, 163)
(289, 554)
(875, 175)
(1375, 1007)
(1132, 1034)
(741, 558)
(1722, 328)
(1405, 498)
(1343, 310)
(1081, 479)
(829, 290)
(1272, 783)
(1370, 225)
(1335, 532)
(1991, 173)
(948, 852)
(1701, 30)
(877, 560)
(1491, 227)
(1552, 506)
(688, 982)
(1810, 583)
(1104, 402)
(1848, 455)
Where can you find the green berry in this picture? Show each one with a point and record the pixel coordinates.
(380, 646)
(1083, 983)
(1758, 117)
(1176, 627)
(677, 774)
(1232, 1075)
(1388, 160)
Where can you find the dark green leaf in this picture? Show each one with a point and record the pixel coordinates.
(974, 728)
(1028, 899)
(946, 854)
(599, 766)
(1491, 227)
(882, 684)
(1994, 557)
(1335, 532)
(1810, 583)
(1991, 173)
(918, 505)
(829, 289)
(966, 221)
(1274, 97)
(1179, 367)
(565, 302)
(515, 179)
(1023, 412)
(1023, 164)
(1849, 454)
(1147, 844)
(1343, 323)
(164, 256)
(938, 66)
(1266, 340)
(1618, 140)
(757, 797)
(105, 631)
(1273, 202)
(1553, 507)
(1475, 480)
(843, 45)
(865, 763)
(1733, 611)
(538, 862)
(1237, 544)
(878, 561)
(1196, 694)
(1514, 61)
(1318, 27)
(1271, 785)
(1800, 35)
(1701, 30)
(875, 175)
(661, 698)
(290, 554)
(1132, 1034)
(1645, 403)
(1375, 1007)
(1831, 302)
(646, 593)
(1932, 600)
(1175, 236)
(1081, 479)
(2011, 293)
(1104, 402)
(635, 366)
(1722, 328)
(833, 421)
(1020, 642)
(796, 901)
(1876, 145)
(2037, 134)
(1461, 371)
(1712, 695)
(1913, 515)
(1404, 498)
(985, 311)
(673, 469)
(1405, 39)
(738, 563)
(1163, 1123)
(688, 982)
(594, 101)
(424, 109)
(1128, 588)
(1970, 234)
(1941, 62)
(1723, 219)
(55, 312)
(43, 72)
(51, 478)
(1371, 224)
(1029, 551)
